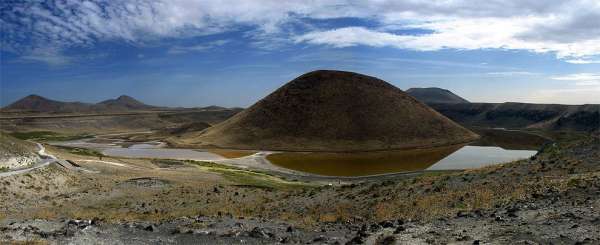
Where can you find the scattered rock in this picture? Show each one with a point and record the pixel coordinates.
(356, 240)
(80, 224)
(386, 224)
(399, 229)
(320, 238)
(151, 228)
(258, 232)
(389, 240)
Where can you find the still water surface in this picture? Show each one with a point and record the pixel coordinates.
(338, 164)
(375, 163)
(143, 150)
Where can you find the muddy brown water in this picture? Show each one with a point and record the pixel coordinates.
(496, 146)
(376, 163)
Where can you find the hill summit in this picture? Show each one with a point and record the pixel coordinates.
(334, 111)
(125, 102)
(435, 96)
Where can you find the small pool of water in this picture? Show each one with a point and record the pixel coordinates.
(164, 153)
(143, 150)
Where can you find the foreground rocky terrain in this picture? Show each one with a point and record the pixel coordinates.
(553, 197)
(15, 153)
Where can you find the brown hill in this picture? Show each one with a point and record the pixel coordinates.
(334, 111)
(36, 103)
(39, 104)
(124, 102)
(435, 95)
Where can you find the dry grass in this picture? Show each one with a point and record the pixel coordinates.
(448, 202)
(45, 213)
(28, 242)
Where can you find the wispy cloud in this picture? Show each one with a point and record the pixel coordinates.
(513, 73)
(461, 34)
(197, 48)
(566, 28)
(579, 77)
(583, 61)
(46, 55)
(582, 88)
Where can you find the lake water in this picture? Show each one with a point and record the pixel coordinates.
(376, 163)
(478, 154)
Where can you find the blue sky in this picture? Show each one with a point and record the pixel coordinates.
(232, 53)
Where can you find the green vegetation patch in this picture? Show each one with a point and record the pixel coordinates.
(48, 136)
(248, 178)
(81, 151)
(166, 163)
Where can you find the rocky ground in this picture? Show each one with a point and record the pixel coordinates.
(552, 198)
(15, 153)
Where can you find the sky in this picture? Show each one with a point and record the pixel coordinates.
(232, 53)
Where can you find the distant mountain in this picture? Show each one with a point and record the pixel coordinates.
(214, 108)
(124, 102)
(523, 115)
(36, 103)
(435, 95)
(39, 104)
(333, 111)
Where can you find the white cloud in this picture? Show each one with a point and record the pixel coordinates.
(196, 48)
(583, 88)
(513, 73)
(462, 34)
(567, 28)
(47, 55)
(583, 61)
(579, 77)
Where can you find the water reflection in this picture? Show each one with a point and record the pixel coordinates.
(362, 164)
(495, 146)
(375, 163)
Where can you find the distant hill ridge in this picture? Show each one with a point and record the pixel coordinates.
(333, 111)
(523, 115)
(510, 114)
(435, 95)
(36, 103)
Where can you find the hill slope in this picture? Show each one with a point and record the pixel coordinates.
(435, 95)
(334, 111)
(523, 115)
